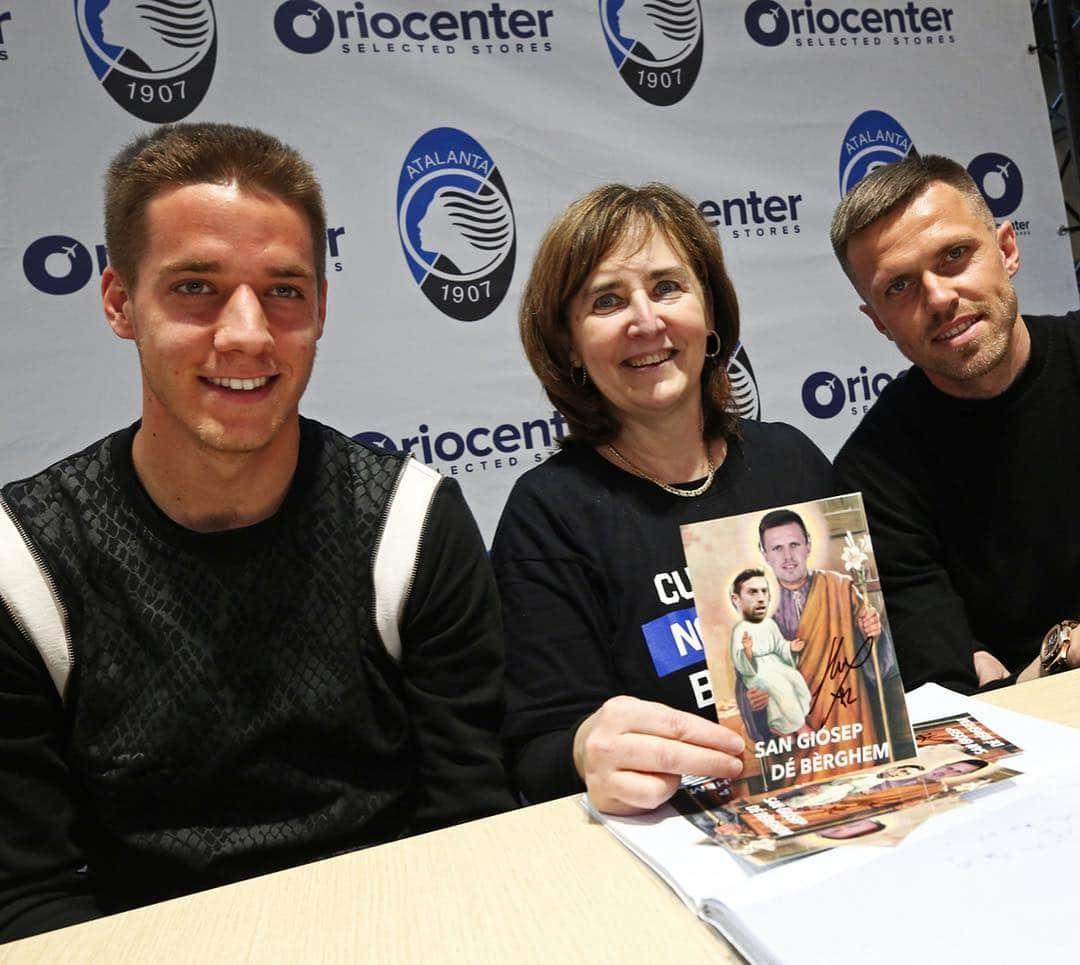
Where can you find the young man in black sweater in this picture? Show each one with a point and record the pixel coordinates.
(969, 485)
(231, 639)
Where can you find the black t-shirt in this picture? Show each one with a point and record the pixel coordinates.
(595, 594)
(973, 510)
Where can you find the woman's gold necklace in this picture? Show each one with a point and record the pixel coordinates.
(675, 491)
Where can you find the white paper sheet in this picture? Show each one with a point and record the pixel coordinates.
(989, 883)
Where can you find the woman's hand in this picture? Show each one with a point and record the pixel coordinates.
(631, 753)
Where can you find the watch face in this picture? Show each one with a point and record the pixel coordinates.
(1055, 647)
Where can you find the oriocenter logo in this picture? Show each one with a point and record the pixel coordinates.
(480, 448)
(873, 139)
(303, 26)
(753, 215)
(456, 224)
(771, 24)
(1000, 182)
(767, 23)
(155, 58)
(825, 394)
(308, 27)
(656, 45)
(60, 264)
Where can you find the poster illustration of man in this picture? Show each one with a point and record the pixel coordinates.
(764, 659)
(828, 626)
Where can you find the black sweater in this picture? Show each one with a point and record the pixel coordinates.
(232, 708)
(973, 510)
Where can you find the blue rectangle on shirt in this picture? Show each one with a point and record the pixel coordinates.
(674, 641)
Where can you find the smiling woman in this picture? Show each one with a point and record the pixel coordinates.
(638, 329)
(628, 320)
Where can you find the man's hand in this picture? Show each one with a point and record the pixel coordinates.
(747, 645)
(631, 753)
(988, 668)
(869, 622)
(797, 646)
(1073, 656)
(1033, 671)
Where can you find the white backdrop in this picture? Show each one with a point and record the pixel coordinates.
(467, 127)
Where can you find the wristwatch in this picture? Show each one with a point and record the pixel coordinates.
(1054, 653)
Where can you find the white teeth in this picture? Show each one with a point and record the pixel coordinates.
(245, 385)
(642, 360)
(953, 332)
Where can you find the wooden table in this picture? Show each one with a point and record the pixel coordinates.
(544, 884)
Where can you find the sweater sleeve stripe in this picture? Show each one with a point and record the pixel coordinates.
(398, 550)
(27, 595)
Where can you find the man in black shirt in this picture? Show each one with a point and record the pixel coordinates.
(231, 639)
(969, 487)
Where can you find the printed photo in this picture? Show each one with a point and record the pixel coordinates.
(797, 641)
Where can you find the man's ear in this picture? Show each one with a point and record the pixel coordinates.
(869, 313)
(116, 302)
(322, 308)
(1010, 250)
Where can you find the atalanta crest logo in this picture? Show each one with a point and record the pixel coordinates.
(656, 46)
(154, 57)
(1000, 182)
(456, 224)
(873, 139)
(744, 387)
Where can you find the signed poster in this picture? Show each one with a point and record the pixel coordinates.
(797, 641)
